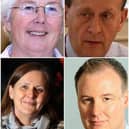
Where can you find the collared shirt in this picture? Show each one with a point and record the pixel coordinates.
(126, 126)
(8, 50)
(115, 50)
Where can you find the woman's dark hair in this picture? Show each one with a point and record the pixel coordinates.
(20, 71)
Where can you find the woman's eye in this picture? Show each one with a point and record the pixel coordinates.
(28, 8)
(39, 90)
(52, 9)
(24, 87)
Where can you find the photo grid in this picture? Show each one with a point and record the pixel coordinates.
(64, 64)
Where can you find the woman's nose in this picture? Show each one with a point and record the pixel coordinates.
(40, 16)
(31, 93)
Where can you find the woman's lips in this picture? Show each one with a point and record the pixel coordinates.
(30, 102)
(37, 33)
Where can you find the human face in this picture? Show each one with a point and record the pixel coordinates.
(101, 100)
(29, 94)
(93, 24)
(34, 35)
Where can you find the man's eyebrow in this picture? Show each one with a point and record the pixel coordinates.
(84, 8)
(108, 94)
(108, 10)
(85, 96)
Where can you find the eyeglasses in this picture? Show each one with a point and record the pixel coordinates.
(51, 10)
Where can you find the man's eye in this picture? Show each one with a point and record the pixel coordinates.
(107, 15)
(87, 101)
(85, 14)
(106, 99)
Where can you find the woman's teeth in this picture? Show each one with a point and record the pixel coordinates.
(38, 33)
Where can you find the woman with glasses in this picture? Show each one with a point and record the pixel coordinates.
(34, 27)
(28, 99)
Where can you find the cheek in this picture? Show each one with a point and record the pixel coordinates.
(41, 99)
(110, 30)
(18, 95)
(83, 111)
(56, 25)
(114, 109)
(19, 23)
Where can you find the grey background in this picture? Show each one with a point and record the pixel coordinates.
(72, 116)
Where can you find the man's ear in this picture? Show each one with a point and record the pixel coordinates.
(126, 99)
(66, 15)
(124, 14)
(11, 92)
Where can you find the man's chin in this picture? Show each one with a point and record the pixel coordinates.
(92, 54)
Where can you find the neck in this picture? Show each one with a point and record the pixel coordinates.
(16, 52)
(24, 119)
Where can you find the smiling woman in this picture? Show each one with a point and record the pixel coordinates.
(27, 99)
(40, 30)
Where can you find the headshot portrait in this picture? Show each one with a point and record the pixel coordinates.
(97, 93)
(93, 28)
(34, 28)
(32, 94)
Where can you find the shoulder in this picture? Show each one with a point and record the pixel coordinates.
(59, 125)
(127, 126)
(117, 50)
(57, 53)
(4, 122)
(7, 51)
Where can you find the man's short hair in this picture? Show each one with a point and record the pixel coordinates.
(69, 2)
(96, 64)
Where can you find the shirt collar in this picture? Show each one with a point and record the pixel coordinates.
(8, 50)
(69, 50)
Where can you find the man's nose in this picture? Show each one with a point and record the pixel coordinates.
(95, 26)
(97, 108)
(40, 16)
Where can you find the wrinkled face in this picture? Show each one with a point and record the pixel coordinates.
(101, 101)
(29, 94)
(35, 33)
(93, 24)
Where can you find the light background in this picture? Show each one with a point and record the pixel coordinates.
(72, 116)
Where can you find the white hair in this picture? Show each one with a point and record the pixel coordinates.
(5, 8)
